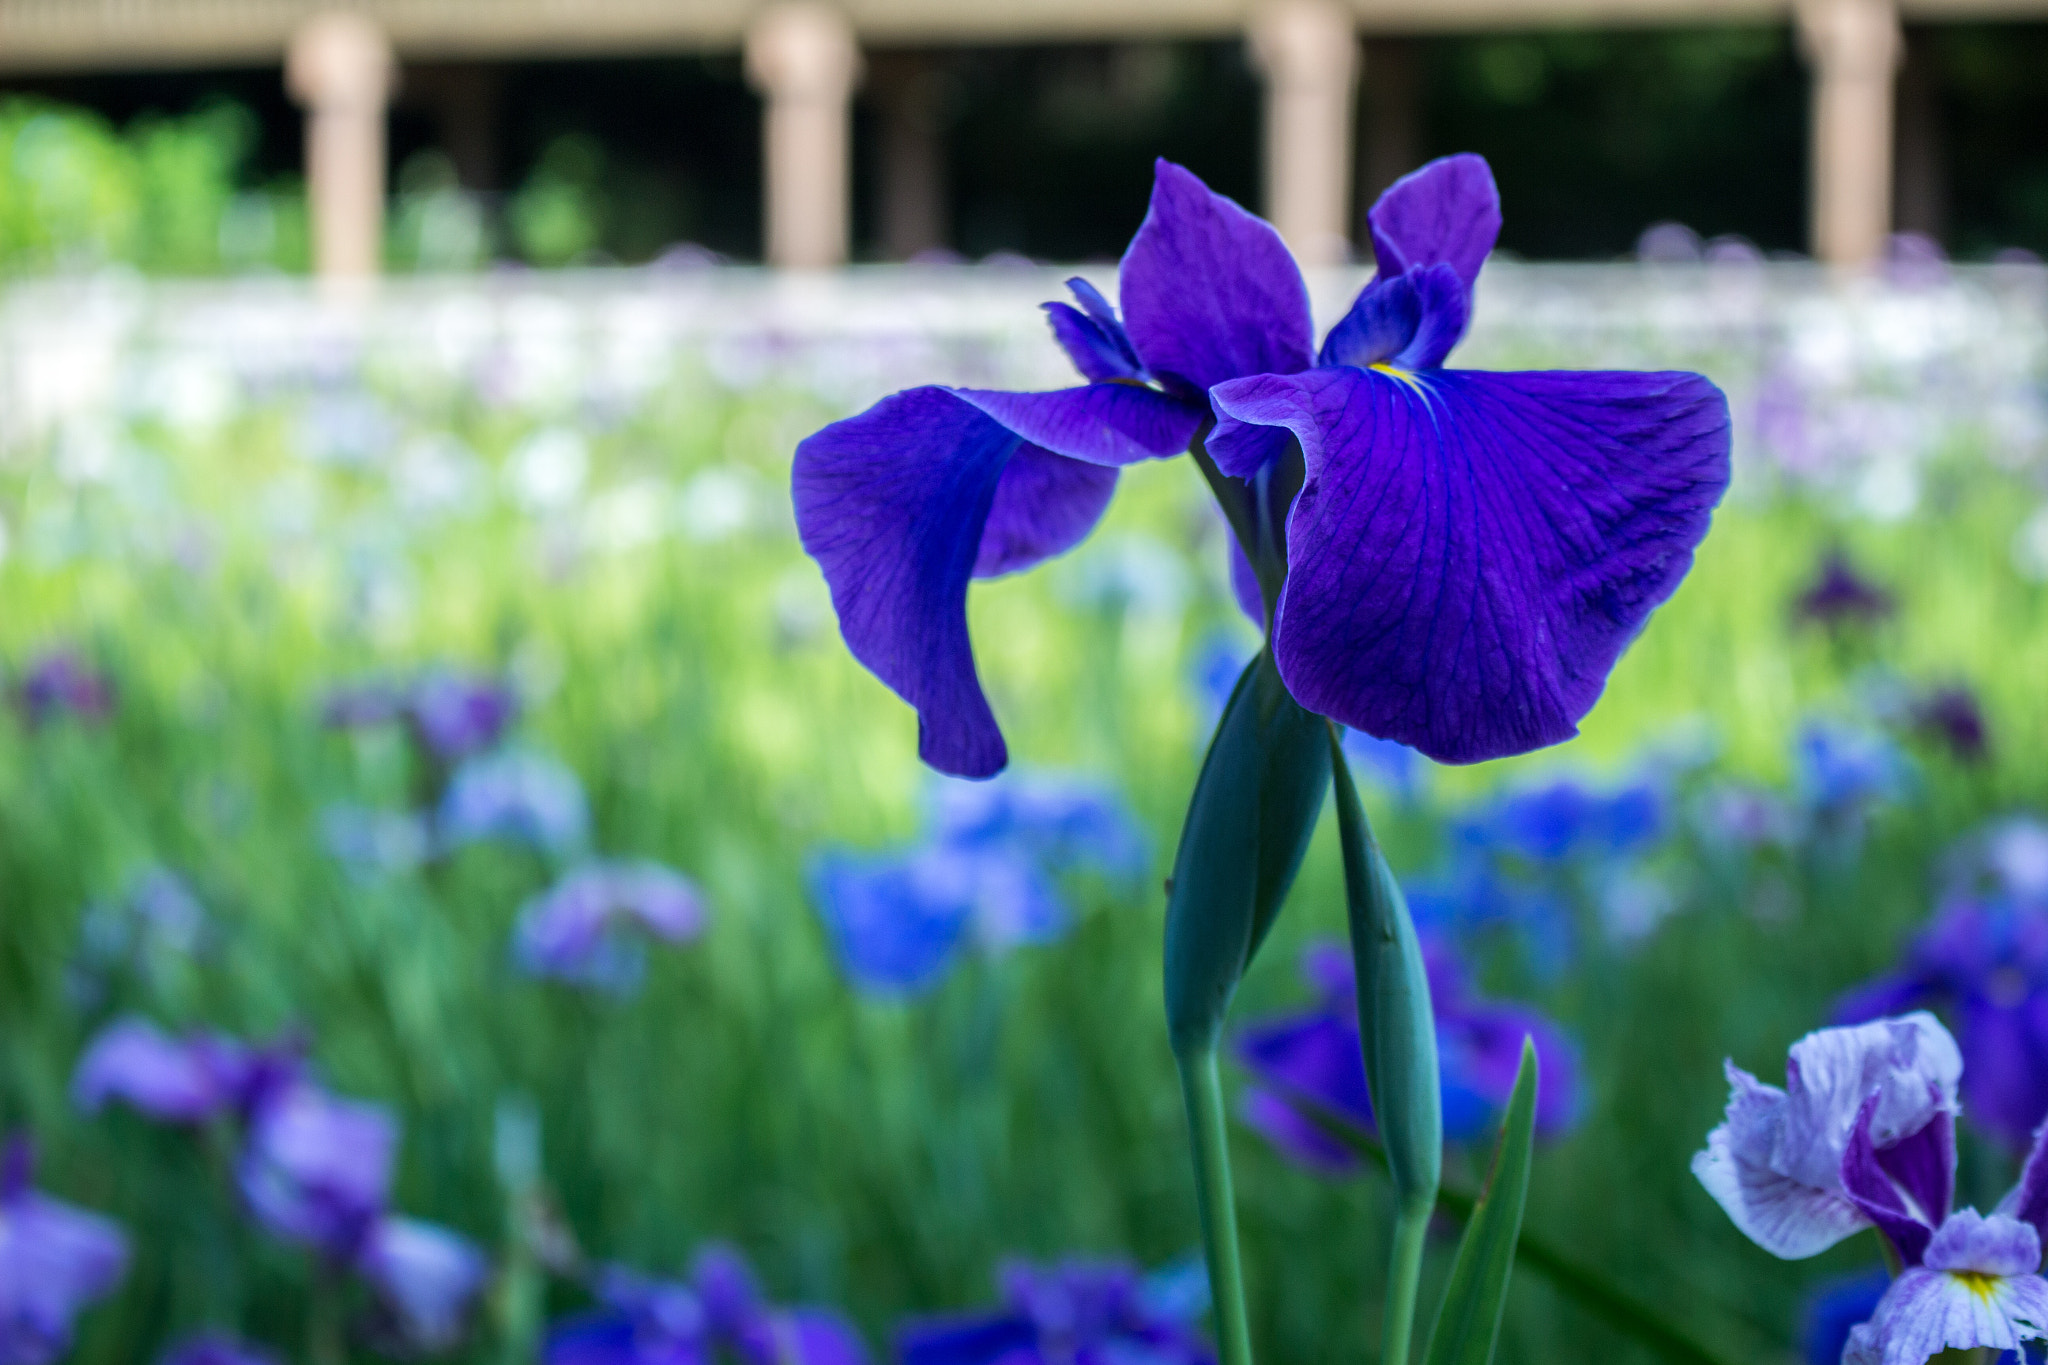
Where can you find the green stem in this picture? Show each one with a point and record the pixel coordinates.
(1203, 1088)
(1404, 1280)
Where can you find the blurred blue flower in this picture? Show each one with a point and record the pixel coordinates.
(895, 921)
(371, 843)
(1565, 819)
(175, 1080)
(216, 1348)
(1076, 1310)
(1840, 595)
(1987, 961)
(61, 683)
(54, 1260)
(1741, 815)
(1472, 895)
(458, 714)
(718, 1313)
(153, 925)
(1833, 1308)
(1839, 769)
(1315, 1057)
(315, 1169)
(575, 930)
(427, 1280)
(516, 795)
(2006, 859)
(1055, 819)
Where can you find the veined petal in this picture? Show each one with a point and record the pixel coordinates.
(1449, 211)
(1209, 291)
(1410, 321)
(1471, 552)
(901, 506)
(1784, 1216)
(1106, 424)
(1874, 1194)
(1926, 1312)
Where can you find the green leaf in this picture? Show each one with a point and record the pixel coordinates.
(1248, 827)
(1468, 1323)
(1395, 1023)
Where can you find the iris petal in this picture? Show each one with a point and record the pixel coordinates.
(1045, 505)
(892, 504)
(1449, 211)
(1410, 321)
(1094, 353)
(1471, 552)
(1105, 424)
(1209, 291)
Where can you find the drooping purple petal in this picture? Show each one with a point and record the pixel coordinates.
(1408, 321)
(428, 1278)
(1448, 211)
(892, 505)
(1781, 1213)
(1471, 552)
(1209, 291)
(1911, 1064)
(1104, 424)
(1876, 1197)
(54, 1260)
(1045, 505)
(186, 1080)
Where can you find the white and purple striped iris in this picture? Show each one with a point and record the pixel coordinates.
(1450, 559)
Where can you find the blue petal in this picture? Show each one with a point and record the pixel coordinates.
(1105, 424)
(1094, 353)
(903, 504)
(980, 1339)
(1471, 552)
(1410, 321)
(1447, 211)
(1209, 291)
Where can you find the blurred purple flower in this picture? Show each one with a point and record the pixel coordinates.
(1914, 260)
(54, 1260)
(316, 1169)
(1315, 1058)
(1834, 1308)
(516, 795)
(719, 1313)
(1054, 819)
(895, 921)
(176, 1080)
(2007, 858)
(1988, 962)
(575, 931)
(1840, 770)
(1839, 595)
(459, 714)
(61, 683)
(1953, 716)
(1076, 1310)
(216, 1348)
(427, 1280)
(1740, 815)
(1565, 819)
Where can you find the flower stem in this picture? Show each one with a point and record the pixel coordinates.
(1404, 1279)
(1203, 1088)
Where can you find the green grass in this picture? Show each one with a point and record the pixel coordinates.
(881, 1157)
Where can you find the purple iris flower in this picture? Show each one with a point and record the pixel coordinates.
(1953, 716)
(174, 1080)
(427, 1281)
(54, 1260)
(1315, 1057)
(1775, 1164)
(1835, 1309)
(459, 714)
(515, 795)
(1988, 961)
(216, 1348)
(1969, 1279)
(62, 683)
(575, 930)
(1076, 1310)
(1840, 595)
(315, 1169)
(1531, 521)
(719, 1312)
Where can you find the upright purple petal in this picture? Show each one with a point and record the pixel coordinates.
(1876, 1197)
(1105, 424)
(1045, 505)
(1471, 552)
(1923, 1167)
(1448, 211)
(1209, 291)
(1409, 321)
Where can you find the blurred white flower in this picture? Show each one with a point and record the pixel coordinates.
(547, 470)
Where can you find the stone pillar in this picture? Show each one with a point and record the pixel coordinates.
(1854, 48)
(801, 56)
(907, 89)
(339, 68)
(1307, 50)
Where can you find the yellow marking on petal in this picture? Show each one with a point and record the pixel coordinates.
(1408, 377)
(1977, 1282)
